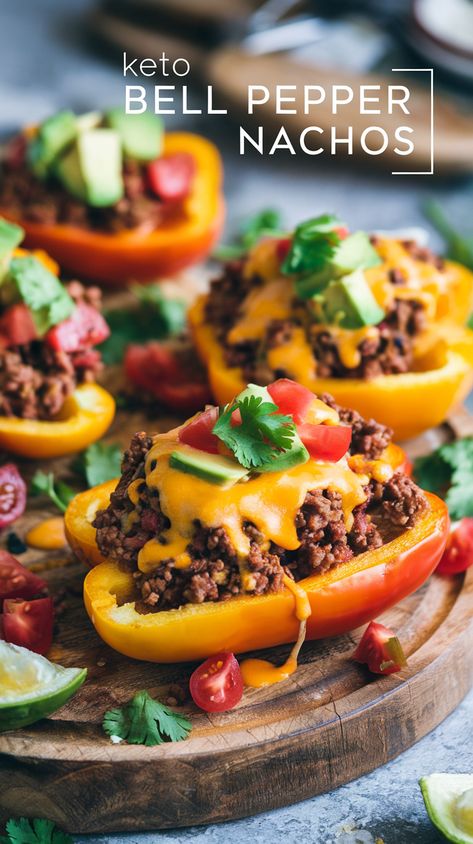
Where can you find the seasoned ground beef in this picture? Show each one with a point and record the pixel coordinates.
(48, 202)
(35, 379)
(368, 436)
(214, 573)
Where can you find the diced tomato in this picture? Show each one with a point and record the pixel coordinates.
(325, 442)
(198, 432)
(12, 494)
(16, 581)
(84, 328)
(283, 246)
(87, 359)
(17, 326)
(380, 650)
(15, 152)
(342, 232)
(217, 684)
(458, 555)
(157, 370)
(29, 623)
(170, 177)
(291, 398)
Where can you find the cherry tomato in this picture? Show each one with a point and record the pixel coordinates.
(16, 581)
(156, 370)
(84, 328)
(291, 398)
(29, 623)
(458, 555)
(380, 650)
(198, 432)
(325, 442)
(12, 494)
(17, 326)
(170, 177)
(217, 684)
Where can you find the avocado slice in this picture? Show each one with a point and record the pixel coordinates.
(354, 252)
(448, 799)
(141, 134)
(54, 135)
(88, 120)
(92, 170)
(214, 468)
(349, 302)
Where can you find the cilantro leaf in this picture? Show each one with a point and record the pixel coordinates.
(459, 247)
(43, 293)
(265, 223)
(34, 831)
(99, 462)
(61, 494)
(146, 721)
(448, 471)
(313, 245)
(262, 434)
(153, 317)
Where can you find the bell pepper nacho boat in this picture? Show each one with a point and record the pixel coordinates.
(49, 403)
(376, 322)
(111, 196)
(279, 514)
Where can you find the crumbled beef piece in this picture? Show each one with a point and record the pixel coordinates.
(402, 501)
(422, 253)
(227, 292)
(397, 276)
(279, 332)
(368, 437)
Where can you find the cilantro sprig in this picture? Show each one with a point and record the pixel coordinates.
(262, 435)
(99, 462)
(448, 472)
(34, 831)
(313, 245)
(146, 721)
(459, 247)
(60, 493)
(263, 224)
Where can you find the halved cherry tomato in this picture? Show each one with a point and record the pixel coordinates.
(291, 398)
(198, 433)
(29, 623)
(16, 581)
(458, 555)
(158, 371)
(217, 684)
(325, 442)
(85, 327)
(12, 494)
(380, 650)
(17, 326)
(170, 177)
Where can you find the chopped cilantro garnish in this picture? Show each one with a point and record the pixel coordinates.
(313, 245)
(266, 223)
(146, 721)
(459, 247)
(43, 293)
(262, 434)
(61, 494)
(99, 462)
(448, 471)
(34, 831)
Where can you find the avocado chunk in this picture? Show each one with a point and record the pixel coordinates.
(88, 120)
(141, 134)
(214, 468)
(254, 390)
(92, 170)
(349, 302)
(10, 237)
(448, 799)
(354, 252)
(54, 136)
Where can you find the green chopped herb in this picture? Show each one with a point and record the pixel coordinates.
(448, 472)
(313, 245)
(459, 247)
(146, 721)
(34, 831)
(42, 292)
(99, 462)
(266, 223)
(61, 494)
(262, 434)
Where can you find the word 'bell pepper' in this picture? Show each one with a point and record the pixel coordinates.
(85, 416)
(349, 595)
(115, 258)
(409, 403)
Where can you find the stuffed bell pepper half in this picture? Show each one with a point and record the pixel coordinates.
(111, 196)
(277, 517)
(49, 402)
(378, 322)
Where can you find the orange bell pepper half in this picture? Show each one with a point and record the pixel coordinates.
(115, 258)
(85, 416)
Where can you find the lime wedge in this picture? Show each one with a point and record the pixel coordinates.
(31, 687)
(449, 801)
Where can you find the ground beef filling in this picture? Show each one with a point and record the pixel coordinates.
(214, 573)
(35, 380)
(48, 202)
(390, 353)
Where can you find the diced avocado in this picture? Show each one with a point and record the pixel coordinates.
(354, 252)
(54, 135)
(141, 134)
(92, 170)
(10, 237)
(214, 468)
(89, 120)
(449, 801)
(350, 303)
(254, 390)
(294, 455)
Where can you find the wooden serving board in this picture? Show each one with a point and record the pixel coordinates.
(329, 723)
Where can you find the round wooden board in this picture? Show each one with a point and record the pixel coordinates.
(329, 723)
